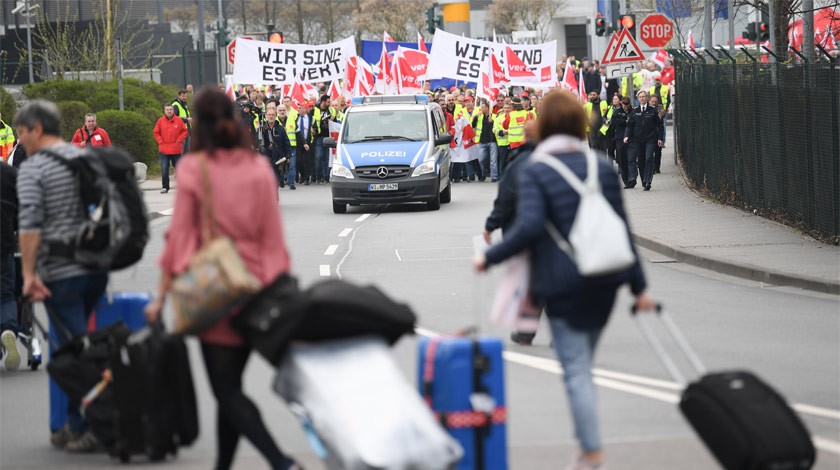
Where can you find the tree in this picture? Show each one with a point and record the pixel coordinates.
(531, 15)
(402, 19)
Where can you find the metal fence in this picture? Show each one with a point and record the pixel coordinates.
(764, 136)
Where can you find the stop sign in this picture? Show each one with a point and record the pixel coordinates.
(231, 49)
(656, 31)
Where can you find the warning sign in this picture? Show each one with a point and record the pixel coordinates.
(624, 49)
(608, 52)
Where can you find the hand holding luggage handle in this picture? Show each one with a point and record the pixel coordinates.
(663, 355)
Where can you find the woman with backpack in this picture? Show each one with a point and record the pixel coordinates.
(225, 183)
(578, 306)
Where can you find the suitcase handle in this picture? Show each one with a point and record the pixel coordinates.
(660, 351)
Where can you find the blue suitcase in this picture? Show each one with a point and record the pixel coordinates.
(462, 379)
(123, 306)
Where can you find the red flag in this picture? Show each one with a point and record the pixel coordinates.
(408, 78)
(546, 75)
(334, 92)
(516, 68)
(229, 88)
(387, 37)
(581, 90)
(660, 57)
(569, 81)
(421, 44)
(297, 93)
(384, 71)
(497, 72)
(690, 42)
(364, 83)
(350, 72)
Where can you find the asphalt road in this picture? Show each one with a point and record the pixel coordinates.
(789, 337)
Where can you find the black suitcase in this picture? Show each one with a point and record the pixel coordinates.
(154, 399)
(744, 422)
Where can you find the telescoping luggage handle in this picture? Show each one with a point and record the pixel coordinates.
(660, 351)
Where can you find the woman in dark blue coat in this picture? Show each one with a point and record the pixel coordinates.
(578, 308)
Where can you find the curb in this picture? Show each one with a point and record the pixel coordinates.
(742, 270)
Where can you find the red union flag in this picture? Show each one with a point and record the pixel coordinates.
(569, 81)
(498, 73)
(545, 74)
(416, 60)
(516, 68)
(408, 79)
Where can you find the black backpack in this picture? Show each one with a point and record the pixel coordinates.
(115, 228)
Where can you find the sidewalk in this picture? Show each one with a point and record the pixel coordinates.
(678, 223)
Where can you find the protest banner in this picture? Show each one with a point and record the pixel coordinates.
(463, 58)
(264, 63)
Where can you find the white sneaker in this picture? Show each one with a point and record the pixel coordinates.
(281, 161)
(9, 341)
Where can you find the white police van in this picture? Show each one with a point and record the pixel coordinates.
(391, 149)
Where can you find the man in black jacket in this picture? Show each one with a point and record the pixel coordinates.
(8, 277)
(274, 143)
(645, 131)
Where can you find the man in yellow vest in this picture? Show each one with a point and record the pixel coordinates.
(182, 110)
(290, 125)
(638, 83)
(515, 123)
(502, 144)
(7, 139)
(486, 140)
(595, 109)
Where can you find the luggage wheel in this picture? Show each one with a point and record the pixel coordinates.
(124, 456)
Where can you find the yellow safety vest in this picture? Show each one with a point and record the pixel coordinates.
(183, 112)
(7, 140)
(605, 127)
(501, 141)
(291, 127)
(638, 83)
(587, 107)
(516, 128)
(481, 126)
(664, 94)
(532, 113)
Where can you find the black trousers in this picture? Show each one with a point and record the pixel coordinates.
(621, 157)
(236, 414)
(306, 163)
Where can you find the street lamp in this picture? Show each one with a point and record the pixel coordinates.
(18, 10)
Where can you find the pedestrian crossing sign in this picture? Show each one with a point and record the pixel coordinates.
(623, 48)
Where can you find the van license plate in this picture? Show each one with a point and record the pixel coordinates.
(383, 187)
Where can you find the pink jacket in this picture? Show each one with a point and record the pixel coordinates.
(244, 192)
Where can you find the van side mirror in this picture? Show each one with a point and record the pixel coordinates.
(444, 139)
(329, 142)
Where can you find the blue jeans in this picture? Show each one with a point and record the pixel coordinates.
(71, 302)
(8, 302)
(165, 160)
(575, 349)
(489, 159)
(291, 173)
(321, 154)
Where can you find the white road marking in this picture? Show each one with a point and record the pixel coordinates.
(617, 381)
(325, 270)
(345, 232)
(398, 254)
(362, 218)
(331, 250)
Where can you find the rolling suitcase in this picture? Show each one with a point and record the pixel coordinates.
(126, 307)
(359, 411)
(154, 407)
(744, 422)
(462, 380)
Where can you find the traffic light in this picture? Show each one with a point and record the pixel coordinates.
(430, 20)
(276, 38)
(628, 22)
(763, 32)
(600, 25)
(222, 36)
(752, 31)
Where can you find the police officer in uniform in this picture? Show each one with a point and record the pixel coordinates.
(645, 132)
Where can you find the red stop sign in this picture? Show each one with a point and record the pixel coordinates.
(231, 49)
(656, 31)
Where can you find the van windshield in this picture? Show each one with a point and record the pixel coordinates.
(385, 125)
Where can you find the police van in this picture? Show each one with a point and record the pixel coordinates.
(391, 149)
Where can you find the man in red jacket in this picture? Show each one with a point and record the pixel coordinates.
(170, 134)
(90, 134)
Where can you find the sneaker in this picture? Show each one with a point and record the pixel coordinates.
(62, 437)
(85, 443)
(522, 339)
(580, 463)
(9, 340)
(282, 183)
(292, 187)
(164, 190)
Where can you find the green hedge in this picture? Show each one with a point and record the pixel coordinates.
(131, 131)
(7, 106)
(72, 117)
(104, 95)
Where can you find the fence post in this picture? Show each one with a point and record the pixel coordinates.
(833, 81)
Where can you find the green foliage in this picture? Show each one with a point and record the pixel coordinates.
(60, 90)
(7, 106)
(152, 114)
(131, 131)
(72, 117)
(104, 95)
(162, 93)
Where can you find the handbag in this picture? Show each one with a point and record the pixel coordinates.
(216, 279)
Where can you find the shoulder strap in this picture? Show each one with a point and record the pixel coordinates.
(59, 158)
(592, 181)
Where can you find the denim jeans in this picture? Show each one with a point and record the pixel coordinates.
(71, 302)
(291, 173)
(489, 159)
(575, 349)
(321, 171)
(165, 160)
(8, 302)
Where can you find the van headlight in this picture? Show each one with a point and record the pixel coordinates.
(424, 168)
(341, 171)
